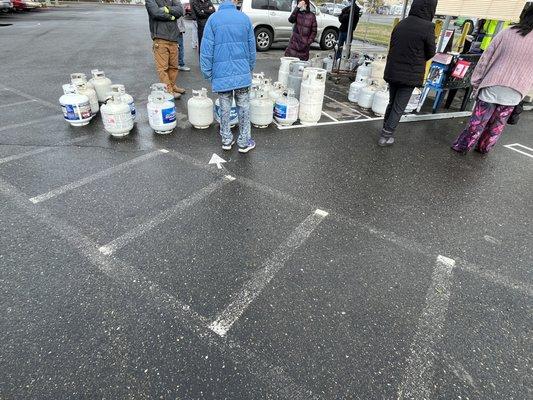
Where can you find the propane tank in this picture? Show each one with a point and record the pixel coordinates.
(200, 109)
(327, 63)
(82, 77)
(116, 116)
(355, 88)
(312, 95)
(277, 90)
(126, 98)
(363, 73)
(257, 81)
(286, 108)
(378, 71)
(283, 74)
(81, 88)
(261, 114)
(316, 61)
(267, 86)
(296, 71)
(161, 87)
(366, 97)
(380, 102)
(233, 115)
(101, 84)
(161, 113)
(413, 101)
(76, 107)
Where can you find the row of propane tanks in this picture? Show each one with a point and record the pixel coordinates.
(369, 90)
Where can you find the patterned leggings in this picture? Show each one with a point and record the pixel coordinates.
(485, 127)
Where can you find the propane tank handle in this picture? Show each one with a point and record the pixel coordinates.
(200, 93)
(78, 76)
(158, 95)
(161, 87)
(117, 88)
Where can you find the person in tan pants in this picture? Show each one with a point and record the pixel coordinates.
(165, 35)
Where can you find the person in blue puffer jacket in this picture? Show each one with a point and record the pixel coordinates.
(227, 59)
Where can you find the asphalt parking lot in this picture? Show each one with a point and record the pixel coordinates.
(318, 266)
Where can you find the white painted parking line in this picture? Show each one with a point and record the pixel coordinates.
(274, 377)
(30, 97)
(329, 116)
(18, 103)
(163, 216)
(42, 149)
(347, 107)
(519, 148)
(32, 122)
(417, 382)
(91, 178)
(350, 121)
(253, 288)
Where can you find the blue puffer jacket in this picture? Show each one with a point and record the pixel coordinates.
(227, 54)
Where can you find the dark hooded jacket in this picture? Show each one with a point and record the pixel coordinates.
(303, 34)
(412, 45)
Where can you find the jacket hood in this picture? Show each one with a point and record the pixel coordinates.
(424, 9)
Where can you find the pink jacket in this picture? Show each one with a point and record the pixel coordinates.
(507, 62)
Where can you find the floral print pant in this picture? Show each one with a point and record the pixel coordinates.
(242, 100)
(485, 127)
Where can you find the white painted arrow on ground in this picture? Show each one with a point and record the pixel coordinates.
(216, 159)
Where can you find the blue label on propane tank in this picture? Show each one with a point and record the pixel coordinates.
(280, 111)
(132, 109)
(69, 113)
(169, 115)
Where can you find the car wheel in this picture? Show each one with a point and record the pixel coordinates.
(263, 39)
(329, 39)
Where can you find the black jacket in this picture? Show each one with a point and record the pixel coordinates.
(201, 10)
(161, 24)
(412, 45)
(344, 18)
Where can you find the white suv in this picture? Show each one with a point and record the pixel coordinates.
(270, 19)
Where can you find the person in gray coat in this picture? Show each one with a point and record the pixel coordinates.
(165, 35)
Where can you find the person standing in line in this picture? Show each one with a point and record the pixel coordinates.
(201, 11)
(227, 59)
(304, 31)
(501, 80)
(162, 15)
(344, 19)
(412, 45)
(181, 49)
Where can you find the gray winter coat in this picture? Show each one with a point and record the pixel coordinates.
(161, 24)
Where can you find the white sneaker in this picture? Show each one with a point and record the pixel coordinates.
(184, 68)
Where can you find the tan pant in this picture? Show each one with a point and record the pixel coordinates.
(166, 62)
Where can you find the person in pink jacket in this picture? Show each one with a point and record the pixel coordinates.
(502, 78)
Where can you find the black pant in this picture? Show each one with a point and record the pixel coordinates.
(399, 97)
(201, 25)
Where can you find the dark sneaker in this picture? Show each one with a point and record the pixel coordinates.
(249, 146)
(228, 146)
(383, 141)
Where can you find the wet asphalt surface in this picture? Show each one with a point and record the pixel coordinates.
(358, 307)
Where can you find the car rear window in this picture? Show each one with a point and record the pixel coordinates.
(260, 4)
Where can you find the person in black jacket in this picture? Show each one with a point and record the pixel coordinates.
(200, 11)
(344, 19)
(162, 15)
(412, 45)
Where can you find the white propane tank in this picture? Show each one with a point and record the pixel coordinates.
(366, 97)
(296, 71)
(283, 73)
(200, 109)
(380, 102)
(327, 63)
(363, 73)
(277, 90)
(378, 71)
(161, 87)
(286, 109)
(126, 98)
(261, 113)
(101, 84)
(81, 88)
(76, 107)
(316, 61)
(312, 95)
(116, 116)
(267, 86)
(161, 113)
(233, 115)
(413, 101)
(355, 89)
(257, 81)
(80, 76)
